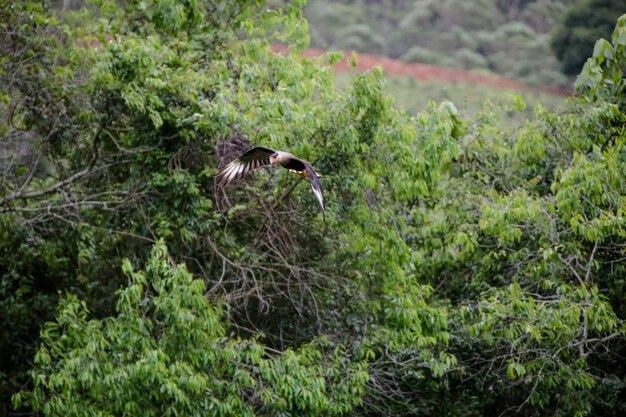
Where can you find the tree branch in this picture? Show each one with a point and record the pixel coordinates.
(72, 178)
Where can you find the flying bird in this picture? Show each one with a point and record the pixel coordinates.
(261, 156)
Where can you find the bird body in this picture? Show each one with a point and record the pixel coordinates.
(283, 159)
(261, 156)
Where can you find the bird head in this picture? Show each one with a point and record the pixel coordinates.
(273, 157)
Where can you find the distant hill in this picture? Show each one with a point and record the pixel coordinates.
(413, 85)
(434, 73)
(506, 37)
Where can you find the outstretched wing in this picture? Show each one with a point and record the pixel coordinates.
(316, 185)
(252, 159)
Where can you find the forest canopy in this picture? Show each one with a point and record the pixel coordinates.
(465, 268)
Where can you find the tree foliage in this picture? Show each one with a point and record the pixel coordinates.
(464, 268)
(582, 24)
(166, 352)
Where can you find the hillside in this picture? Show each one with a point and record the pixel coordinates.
(413, 85)
(511, 38)
(433, 73)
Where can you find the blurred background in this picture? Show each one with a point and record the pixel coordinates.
(538, 42)
(542, 44)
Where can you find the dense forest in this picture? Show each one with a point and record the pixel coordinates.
(539, 42)
(464, 267)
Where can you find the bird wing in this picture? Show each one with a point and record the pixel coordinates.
(316, 185)
(252, 159)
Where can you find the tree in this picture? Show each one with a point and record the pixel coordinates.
(166, 352)
(123, 115)
(602, 77)
(461, 262)
(583, 23)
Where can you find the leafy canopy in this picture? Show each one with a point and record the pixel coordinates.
(166, 352)
(461, 260)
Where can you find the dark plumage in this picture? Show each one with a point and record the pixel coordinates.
(261, 156)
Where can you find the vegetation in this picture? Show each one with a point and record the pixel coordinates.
(464, 268)
(165, 352)
(513, 38)
(584, 22)
(510, 38)
(416, 95)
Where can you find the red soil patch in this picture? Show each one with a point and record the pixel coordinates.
(426, 72)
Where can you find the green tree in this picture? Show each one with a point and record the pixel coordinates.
(583, 23)
(602, 77)
(525, 236)
(137, 107)
(166, 352)
(463, 268)
(121, 116)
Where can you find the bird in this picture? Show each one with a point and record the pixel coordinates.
(260, 156)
